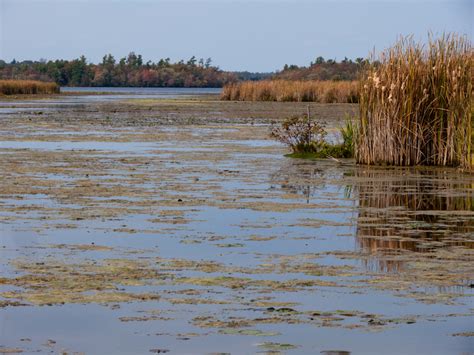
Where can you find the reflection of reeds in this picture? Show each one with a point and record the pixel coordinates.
(289, 90)
(303, 177)
(416, 105)
(409, 210)
(29, 87)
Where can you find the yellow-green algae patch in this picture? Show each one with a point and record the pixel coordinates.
(81, 247)
(55, 282)
(270, 346)
(4, 350)
(251, 332)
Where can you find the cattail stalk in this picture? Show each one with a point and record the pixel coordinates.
(416, 104)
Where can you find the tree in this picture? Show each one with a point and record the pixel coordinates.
(319, 60)
(79, 73)
(134, 61)
(192, 61)
(108, 67)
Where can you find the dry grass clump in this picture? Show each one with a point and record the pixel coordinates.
(416, 105)
(292, 90)
(28, 87)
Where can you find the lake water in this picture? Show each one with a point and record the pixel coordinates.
(102, 95)
(128, 236)
(143, 91)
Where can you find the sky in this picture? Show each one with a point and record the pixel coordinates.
(259, 35)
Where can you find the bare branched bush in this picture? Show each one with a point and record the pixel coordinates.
(301, 134)
(306, 138)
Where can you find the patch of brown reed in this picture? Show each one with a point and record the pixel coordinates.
(289, 90)
(27, 87)
(416, 104)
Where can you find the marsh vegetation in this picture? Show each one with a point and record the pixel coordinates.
(27, 87)
(416, 105)
(292, 90)
(307, 138)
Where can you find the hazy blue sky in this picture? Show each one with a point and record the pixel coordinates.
(238, 35)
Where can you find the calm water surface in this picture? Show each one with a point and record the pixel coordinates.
(240, 204)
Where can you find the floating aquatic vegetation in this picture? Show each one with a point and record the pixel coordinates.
(251, 332)
(277, 346)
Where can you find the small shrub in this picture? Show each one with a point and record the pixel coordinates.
(306, 138)
(301, 134)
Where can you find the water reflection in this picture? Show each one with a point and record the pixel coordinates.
(414, 210)
(306, 177)
(395, 209)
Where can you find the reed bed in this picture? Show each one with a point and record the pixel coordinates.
(27, 87)
(416, 105)
(289, 90)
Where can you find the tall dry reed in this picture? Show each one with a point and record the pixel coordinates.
(289, 90)
(416, 104)
(29, 87)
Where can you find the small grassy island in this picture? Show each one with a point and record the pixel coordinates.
(415, 108)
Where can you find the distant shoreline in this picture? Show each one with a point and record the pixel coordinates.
(116, 91)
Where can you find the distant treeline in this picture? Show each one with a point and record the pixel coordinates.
(322, 69)
(133, 71)
(127, 71)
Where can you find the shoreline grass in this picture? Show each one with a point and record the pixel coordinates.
(416, 105)
(292, 91)
(27, 87)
